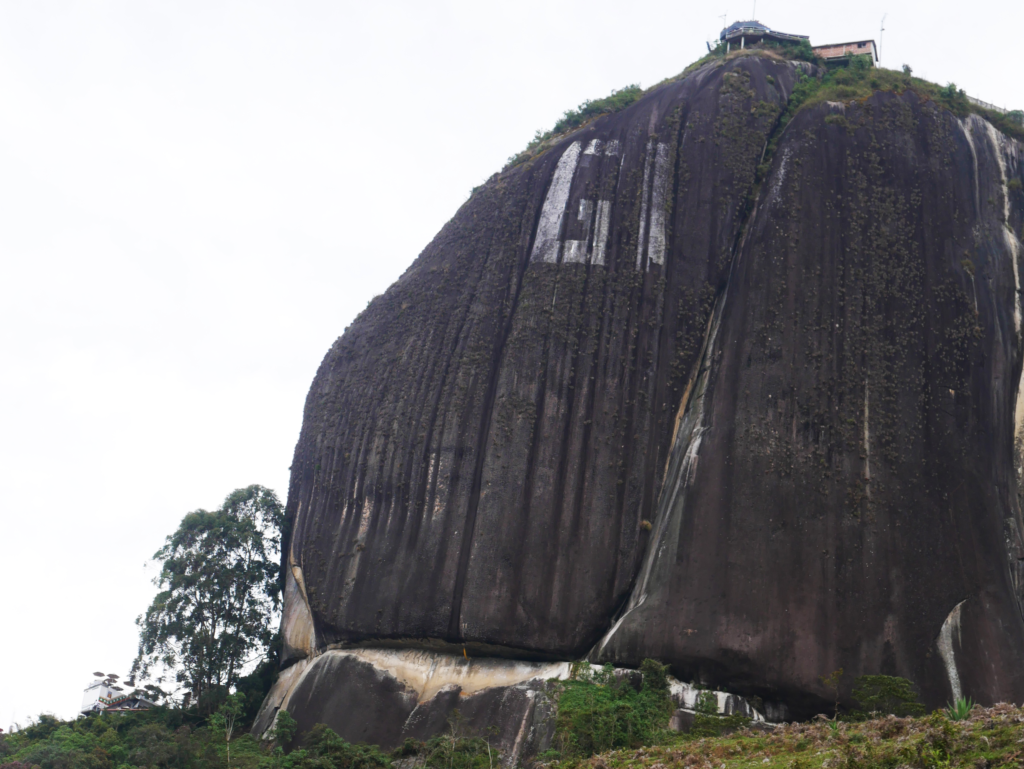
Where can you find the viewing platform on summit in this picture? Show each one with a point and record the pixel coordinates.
(744, 33)
(747, 33)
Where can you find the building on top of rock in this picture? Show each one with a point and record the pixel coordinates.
(839, 54)
(744, 33)
(747, 33)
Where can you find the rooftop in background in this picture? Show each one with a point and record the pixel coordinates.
(100, 696)
(751, 32)
(838, 52)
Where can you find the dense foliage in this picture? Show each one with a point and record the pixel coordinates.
(795, 51)
(220, 588)
(167, 738)
(887, 695)
(598, 712)
(602, 720)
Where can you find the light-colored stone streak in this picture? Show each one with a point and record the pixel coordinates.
(679, 476)
(779, 177)
(604, 213)
(965, 126)
(644, 201)
(296, 619)
(685, 696)
(545, 247)
(278, 696)
(659, 206)
(945, 644)
(425, 673)
(428, 672)
(1003, 149)
(355, 554)
(867, 438)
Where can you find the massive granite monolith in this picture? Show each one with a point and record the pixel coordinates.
(842, 489)
(631, 403)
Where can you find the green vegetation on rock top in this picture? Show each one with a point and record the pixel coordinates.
(858, 80)
(574, 118)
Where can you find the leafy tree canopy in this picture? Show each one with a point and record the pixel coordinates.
(887, 694)
(219, 589)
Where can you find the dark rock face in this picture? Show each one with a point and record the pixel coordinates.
(846, 477)
(629, 404)
(334, 682)
(384, 697)
(487, 437)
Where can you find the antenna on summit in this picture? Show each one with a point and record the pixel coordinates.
(881, 32)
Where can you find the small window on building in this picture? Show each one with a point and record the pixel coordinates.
(860, 45)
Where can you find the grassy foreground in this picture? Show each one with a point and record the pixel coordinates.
(988, 738)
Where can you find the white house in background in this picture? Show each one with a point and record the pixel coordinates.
(104, 695)
(97, 695)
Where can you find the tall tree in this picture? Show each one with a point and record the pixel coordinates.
(219, 590)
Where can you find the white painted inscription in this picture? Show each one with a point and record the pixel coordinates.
(604, 213)
(545, 247)
(644, 199)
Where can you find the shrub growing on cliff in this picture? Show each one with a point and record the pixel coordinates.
(220, 589)
(597, 712)
(796, 51)
(573, 118)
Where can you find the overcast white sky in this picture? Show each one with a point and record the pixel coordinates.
(196, 198)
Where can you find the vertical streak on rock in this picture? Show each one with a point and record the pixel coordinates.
(999, 146)
(1006, 151)
(297, 628)
(553, 209)
(656, 249)
(545, 247)
(946, 649)
(604, 213)
(644, 200)
(965, 127)
(524, 729)
(867, 441)
(680, 472)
